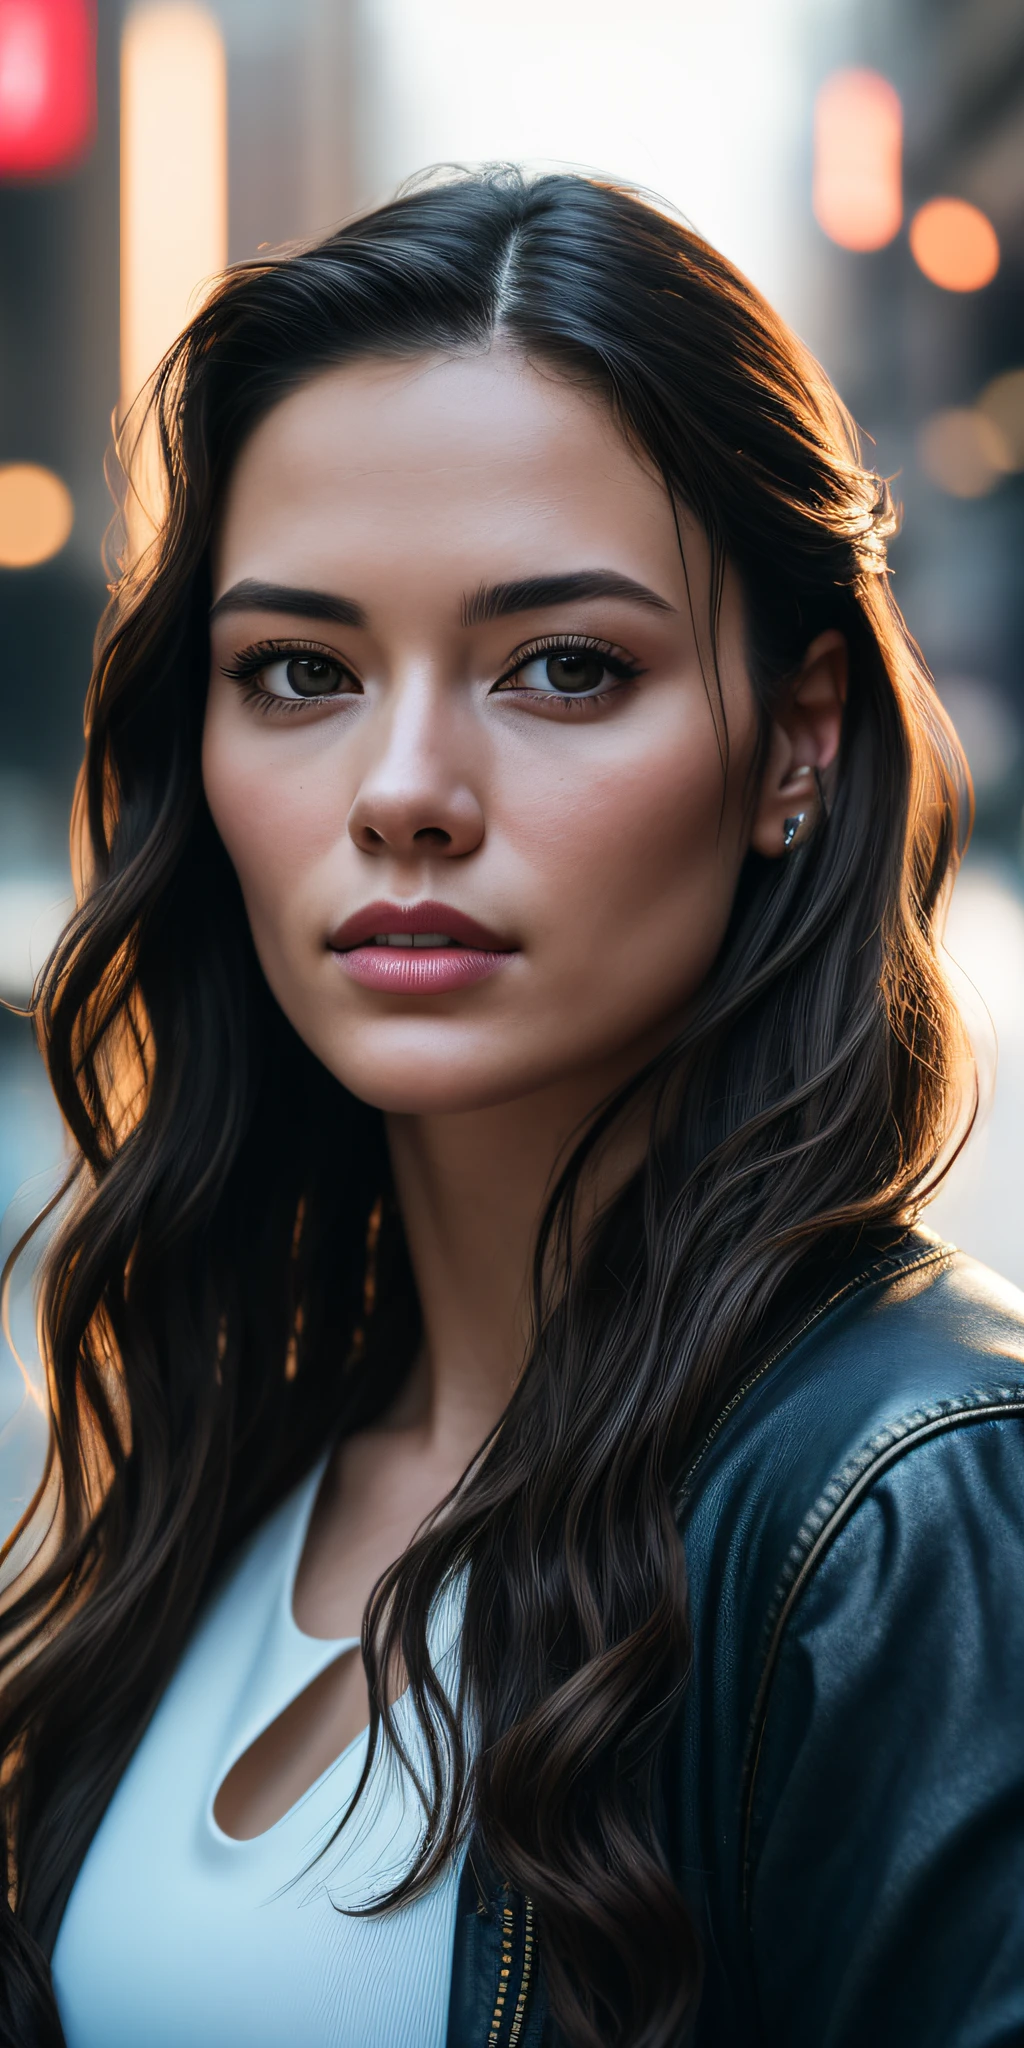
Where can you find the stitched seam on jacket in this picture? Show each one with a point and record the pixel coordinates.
(884, 1268)
(829, 1515)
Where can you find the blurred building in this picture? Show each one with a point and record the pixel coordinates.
(934, 373)
(913, 360)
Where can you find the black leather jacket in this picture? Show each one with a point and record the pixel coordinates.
(844, 1806)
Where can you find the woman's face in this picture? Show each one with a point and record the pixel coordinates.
(456, 695)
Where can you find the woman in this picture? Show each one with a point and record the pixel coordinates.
(506, 1048)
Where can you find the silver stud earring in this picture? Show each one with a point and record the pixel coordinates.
(791, 827)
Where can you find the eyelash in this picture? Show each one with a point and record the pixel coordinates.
(621, 666)
(251, 661)
(248, 666)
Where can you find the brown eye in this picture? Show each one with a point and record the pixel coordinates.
(311, 675)
(575, 672)
(585, 672)
(568, 672)
(295, 677)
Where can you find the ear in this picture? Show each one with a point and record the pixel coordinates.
(803, 742)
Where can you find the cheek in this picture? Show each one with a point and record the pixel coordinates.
(240, 797)
(270, 815)
(640, 867)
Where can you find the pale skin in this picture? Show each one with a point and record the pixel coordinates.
(591, 828)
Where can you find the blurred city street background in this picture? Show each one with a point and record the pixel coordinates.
(864, 163)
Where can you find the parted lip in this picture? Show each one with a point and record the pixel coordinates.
(365, 925)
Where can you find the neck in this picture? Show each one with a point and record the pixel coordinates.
(472, 1187)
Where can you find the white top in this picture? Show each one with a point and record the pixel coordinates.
(175, 1933)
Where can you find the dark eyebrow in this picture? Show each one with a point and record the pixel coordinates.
(534, 593)
(251, 596)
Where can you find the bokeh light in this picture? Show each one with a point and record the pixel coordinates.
(36, 514)
(47, 85)
(174, 199)
(858, 140)
(963, 451)
(955, 245)
(1002, 402)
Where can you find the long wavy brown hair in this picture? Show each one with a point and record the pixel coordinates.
(207, 1322)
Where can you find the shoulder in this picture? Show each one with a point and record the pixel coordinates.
(882, 1875)
(922, 1342)
(854, 1529)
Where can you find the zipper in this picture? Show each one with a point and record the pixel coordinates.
(517, 2018)
(503, 1975)
(505, 1972)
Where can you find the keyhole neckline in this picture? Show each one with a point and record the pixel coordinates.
(318, 1653)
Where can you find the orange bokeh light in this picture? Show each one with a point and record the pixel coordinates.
(36, 514)
(955, 245)
(963, 451)
(174, 175)
(858, 143)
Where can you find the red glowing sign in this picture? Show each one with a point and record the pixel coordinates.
(47, 85)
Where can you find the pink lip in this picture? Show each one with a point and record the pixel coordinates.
(417, 970)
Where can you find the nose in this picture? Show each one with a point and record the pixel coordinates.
(418, 796)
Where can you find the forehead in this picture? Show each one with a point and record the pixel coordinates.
(481, 455)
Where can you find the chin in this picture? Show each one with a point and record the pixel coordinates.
(426, 1095)
(442, 1085)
